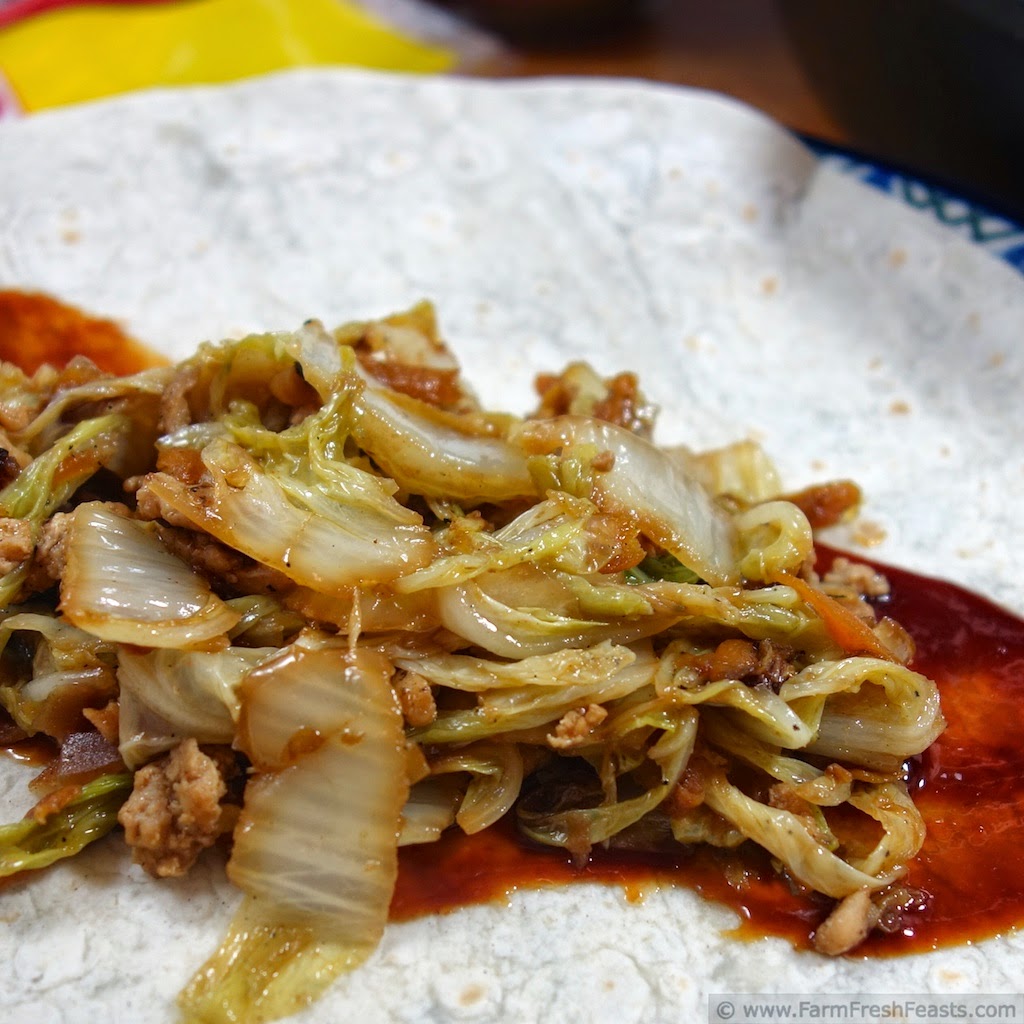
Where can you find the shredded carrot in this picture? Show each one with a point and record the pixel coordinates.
(852, 635)
(54, 803)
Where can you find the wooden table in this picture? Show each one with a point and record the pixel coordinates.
(737, 47)
(746, 48)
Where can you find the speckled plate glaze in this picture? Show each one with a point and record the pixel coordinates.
(755, 289)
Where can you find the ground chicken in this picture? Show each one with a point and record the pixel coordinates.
(856, 577)
(578, 390)
(175, 412)
(852, 585)
(576, 726)
(149, 506)
(16, 544)
(50, 557)
(774, 666)
(228, 571)
(415, 698)
(51, 549)
(756, 663)
(848, 924)
(174, 811)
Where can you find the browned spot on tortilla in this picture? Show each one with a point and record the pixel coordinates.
(472, 994)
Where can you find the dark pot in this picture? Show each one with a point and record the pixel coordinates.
(934, 84)
(549, 22)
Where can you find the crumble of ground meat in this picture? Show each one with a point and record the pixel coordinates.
(148, 506)
(625, 405)
(174, 812)
(51, 551)
(687, 793)
(578, 390)
(50, 555)
(576, 726)
(760, 663)
(415, 698)
(851, 584)
(856, 577)
(16, 543)
(175, 412)
(226, 569)
(848, 924)
(774, 665)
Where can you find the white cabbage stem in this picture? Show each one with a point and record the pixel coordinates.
(247, 509)
(671, 506)
(121, 584)
(427, 453)
(318, 833)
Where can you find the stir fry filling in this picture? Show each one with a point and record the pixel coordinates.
(302, 591)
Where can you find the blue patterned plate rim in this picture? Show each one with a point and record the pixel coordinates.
(978, 221)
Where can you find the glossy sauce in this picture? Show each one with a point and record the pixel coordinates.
(36, 751)
(37, 329)
(969, 785)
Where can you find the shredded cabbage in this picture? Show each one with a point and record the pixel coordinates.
(121, 584)
(168, 695)
(33, 843)
(386, 613)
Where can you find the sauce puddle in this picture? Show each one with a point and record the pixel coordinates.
(37, 329)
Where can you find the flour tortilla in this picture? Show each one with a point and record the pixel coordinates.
(670, 232)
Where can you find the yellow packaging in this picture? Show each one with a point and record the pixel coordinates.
(84, 51)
